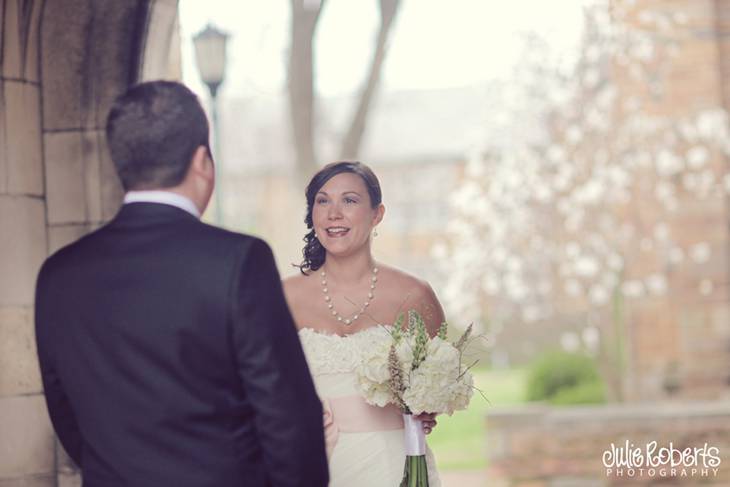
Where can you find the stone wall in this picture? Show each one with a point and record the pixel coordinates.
(540, 446)
(61, 65)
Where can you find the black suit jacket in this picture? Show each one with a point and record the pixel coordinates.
(169, 358)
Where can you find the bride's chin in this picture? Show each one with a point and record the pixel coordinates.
(342, 250)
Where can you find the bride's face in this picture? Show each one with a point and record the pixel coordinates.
(342, 214)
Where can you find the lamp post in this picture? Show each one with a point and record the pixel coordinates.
(210, 58)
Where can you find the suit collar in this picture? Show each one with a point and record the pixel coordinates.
(163, 197)
(145, 213)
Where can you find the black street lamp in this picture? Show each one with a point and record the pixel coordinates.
(210, 57)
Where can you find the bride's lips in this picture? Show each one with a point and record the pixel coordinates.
(337, 232)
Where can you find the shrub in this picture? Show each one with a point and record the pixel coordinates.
(565, 378)
(586, 393)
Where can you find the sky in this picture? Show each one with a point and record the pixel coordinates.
(435, 43)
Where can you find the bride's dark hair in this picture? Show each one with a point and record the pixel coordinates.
(313, 252)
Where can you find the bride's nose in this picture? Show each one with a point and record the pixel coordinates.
(334, 212)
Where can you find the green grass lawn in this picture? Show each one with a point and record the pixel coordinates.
(459, 442)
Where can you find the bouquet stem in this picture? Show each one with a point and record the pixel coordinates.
(415, 472)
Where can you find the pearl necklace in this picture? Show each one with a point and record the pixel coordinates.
(335, 313)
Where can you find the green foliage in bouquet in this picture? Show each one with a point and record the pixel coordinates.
(417, 327)
(443, 330)
(565, 378)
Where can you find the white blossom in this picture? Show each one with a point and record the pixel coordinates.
(700, 252)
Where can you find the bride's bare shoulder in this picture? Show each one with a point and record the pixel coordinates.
(403, 280)
(416, 294)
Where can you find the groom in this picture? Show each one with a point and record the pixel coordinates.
(168, 355)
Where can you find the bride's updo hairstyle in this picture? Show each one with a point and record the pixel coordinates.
(314, 253)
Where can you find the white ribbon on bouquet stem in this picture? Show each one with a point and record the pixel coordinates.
(414, 435)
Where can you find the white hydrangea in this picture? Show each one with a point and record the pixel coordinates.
(372, 370)
(438, 385)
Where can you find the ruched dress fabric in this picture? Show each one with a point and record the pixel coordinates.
(365, 444)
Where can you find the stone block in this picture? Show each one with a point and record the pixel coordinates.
(27, 441)
(3, 140)
(66, 181)
(69, 480)
(22, 247)
(61, 235)
(47, 480)
(162, 46)
(88, 58)
(20, 29)
(23, 151)
(11, 64)
(64, 43)
(19, 371)
(111, 58)
(32, 53)
(64, 464)
(91, 151)
(111, 189)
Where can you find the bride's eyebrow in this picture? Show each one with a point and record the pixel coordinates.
(324, 193)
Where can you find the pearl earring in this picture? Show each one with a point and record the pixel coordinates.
(375, 232)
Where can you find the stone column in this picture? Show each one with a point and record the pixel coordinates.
(57, 181)
(26, 438)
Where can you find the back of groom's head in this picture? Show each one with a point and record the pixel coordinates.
(153, 131)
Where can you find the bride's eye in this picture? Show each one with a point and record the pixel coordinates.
(321, 201)
(350, 200)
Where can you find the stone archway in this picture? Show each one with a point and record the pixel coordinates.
(62, 62)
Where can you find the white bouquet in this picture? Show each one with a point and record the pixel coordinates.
(418, 374)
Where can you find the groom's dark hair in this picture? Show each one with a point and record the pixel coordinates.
(153, 131)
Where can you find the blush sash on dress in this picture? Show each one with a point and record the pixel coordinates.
(352, 414)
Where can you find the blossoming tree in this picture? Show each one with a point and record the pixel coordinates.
(592, 214)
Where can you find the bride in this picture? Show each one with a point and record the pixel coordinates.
(338, 301)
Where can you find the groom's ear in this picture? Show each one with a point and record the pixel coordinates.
(202, 163)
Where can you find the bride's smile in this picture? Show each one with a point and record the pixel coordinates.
(337, 232)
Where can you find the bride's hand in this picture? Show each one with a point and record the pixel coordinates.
(429, 421)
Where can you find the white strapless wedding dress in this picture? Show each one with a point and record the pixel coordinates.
(365, 444)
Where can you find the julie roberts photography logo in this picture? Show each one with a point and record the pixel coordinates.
(652, 460)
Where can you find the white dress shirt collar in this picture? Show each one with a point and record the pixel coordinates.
(163, 197)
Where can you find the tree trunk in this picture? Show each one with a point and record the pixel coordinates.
(304, 17)
(353, 139)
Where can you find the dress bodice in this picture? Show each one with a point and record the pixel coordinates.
(327, 353)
